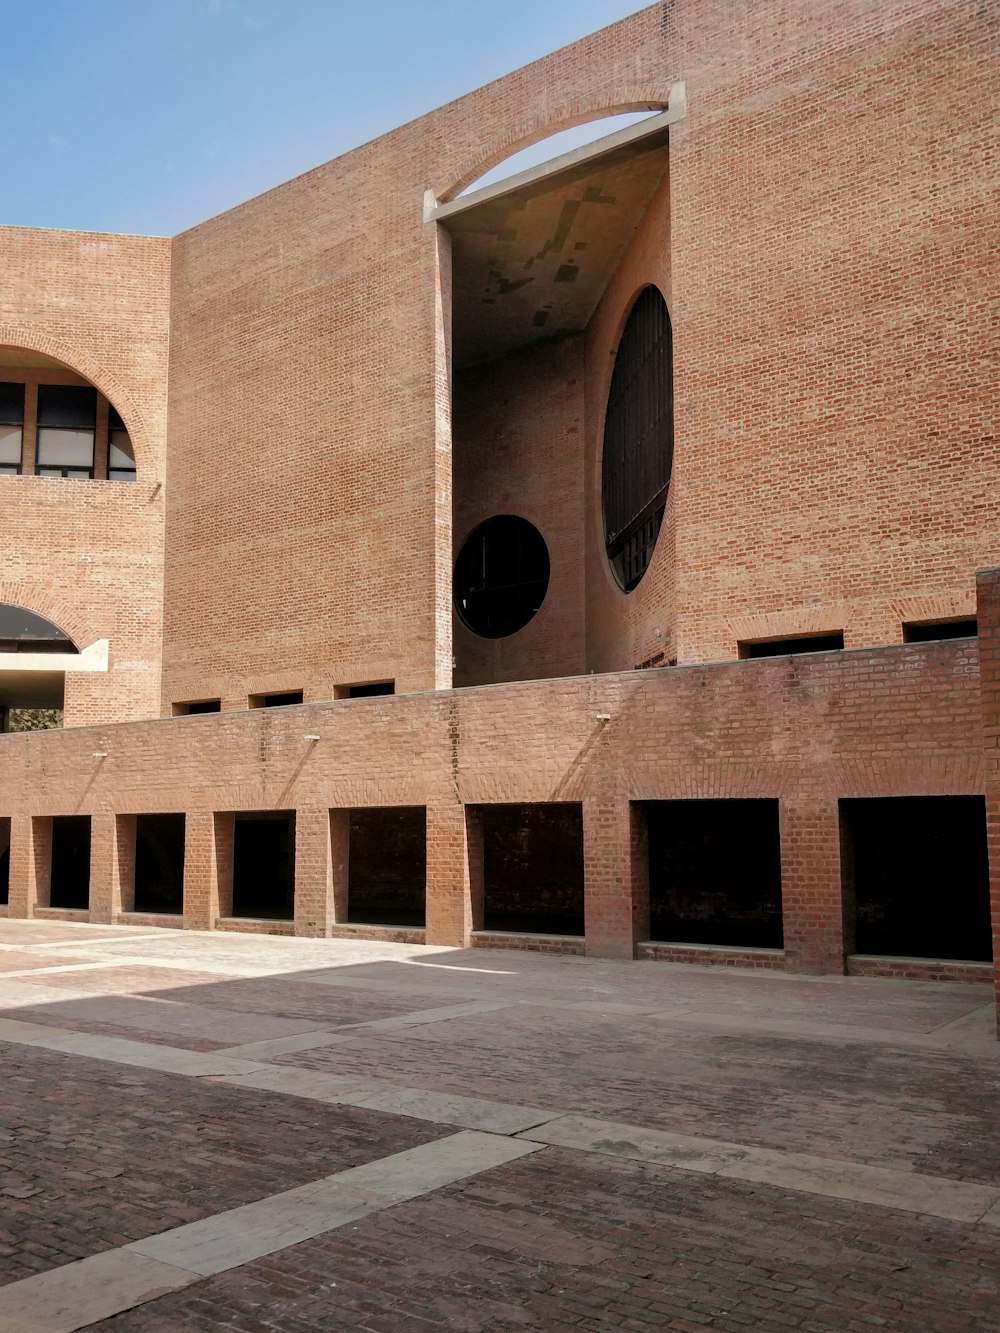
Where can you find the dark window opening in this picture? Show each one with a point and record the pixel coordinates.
(501, 576)
(916, 877)
(159, 864)
(387, 866)
(69, 885)
(376, 688)
(807, 643)
(715, 872)
(4, 861)
(198, 706)
(925, 631)
(275, 700)
(264, 865)
(67, 420)
(121, 455)
(23, 631)
(11, 428)
(638, 452)
(533, 868)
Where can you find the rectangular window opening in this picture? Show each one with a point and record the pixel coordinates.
(369, 690)
(925, 631)
(264, 865)
(4, 861)
(67, 420)
(159, 864)
(11, 428)
(274, 700)
(69, 885)
(806, 643)
(916, 877)
(197, 706)
(387, 866)
(533, 867)
(715, 872)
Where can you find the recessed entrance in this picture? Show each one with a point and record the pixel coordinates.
(159, 864)
(387, 866)
(532, 867)
(264, 864)
(715, 872)
(69, 885)
(916, 877)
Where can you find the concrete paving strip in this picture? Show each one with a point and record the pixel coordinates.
(302, 1041)
(122, 1051)
(439, 1014)
(445, 1108)
(83, 1293)
(241, 1235)
(314, 1084)
(952, 1034)
(935, 1196)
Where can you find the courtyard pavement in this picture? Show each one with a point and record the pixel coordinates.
(239, 1132)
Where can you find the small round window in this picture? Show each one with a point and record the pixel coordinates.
(638, 439)
(501, 576)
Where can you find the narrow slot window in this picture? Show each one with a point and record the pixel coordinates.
(11, 428)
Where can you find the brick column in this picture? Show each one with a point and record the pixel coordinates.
(105, 885)
(612, 878)
(449, 890)
(811, 893)
(208, 869)
(988, 616)
(340, 854)
(30, 864)
(313, 873)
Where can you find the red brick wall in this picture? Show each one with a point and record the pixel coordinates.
(988, 600)
(88, 554)
(893, 721)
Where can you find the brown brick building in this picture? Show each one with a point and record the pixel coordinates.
(543, 461)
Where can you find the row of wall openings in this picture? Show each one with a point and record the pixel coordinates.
(915, 877)
(368, 689)
(913, 632)
(77, 433)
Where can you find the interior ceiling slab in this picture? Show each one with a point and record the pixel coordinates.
(531, 264)
(31, 689)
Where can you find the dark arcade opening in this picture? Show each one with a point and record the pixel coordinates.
(533, 868)
(69, 885)
(387, 866)
(4, 861)
(159, 864)
(715, 872)
(916, 877)
(264, 864)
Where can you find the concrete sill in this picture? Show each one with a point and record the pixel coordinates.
(521, 939)
(254, 925)
(918, 969)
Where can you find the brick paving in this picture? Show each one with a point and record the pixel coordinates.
(559, 1241)
(95, 1154)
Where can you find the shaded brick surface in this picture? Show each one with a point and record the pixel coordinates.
(95, 1155)
(559, 1241)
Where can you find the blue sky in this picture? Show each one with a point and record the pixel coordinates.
(152, 115)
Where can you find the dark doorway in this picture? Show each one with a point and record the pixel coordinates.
(715, 873)
(4, 861)
(533, 868)
(159, 864)
(916, 877)
(387, 866)
(70, 882)
(264, 865)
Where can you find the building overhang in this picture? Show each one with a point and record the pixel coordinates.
(35, 680)
(533, 254)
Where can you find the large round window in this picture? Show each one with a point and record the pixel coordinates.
(501, 576)
(638, 439)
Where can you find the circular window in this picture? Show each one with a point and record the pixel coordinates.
(638, 439)
(501, 576)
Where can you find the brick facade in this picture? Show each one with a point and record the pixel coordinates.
(313, 449)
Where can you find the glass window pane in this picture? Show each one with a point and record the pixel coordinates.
(8, 470)
(120, 450)
(121, 474)
(12, 403)
(65, 448)
(10, 444)
(67, 405)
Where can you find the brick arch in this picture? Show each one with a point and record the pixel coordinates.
(42, 603)
(82, 363)
(536, 128)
